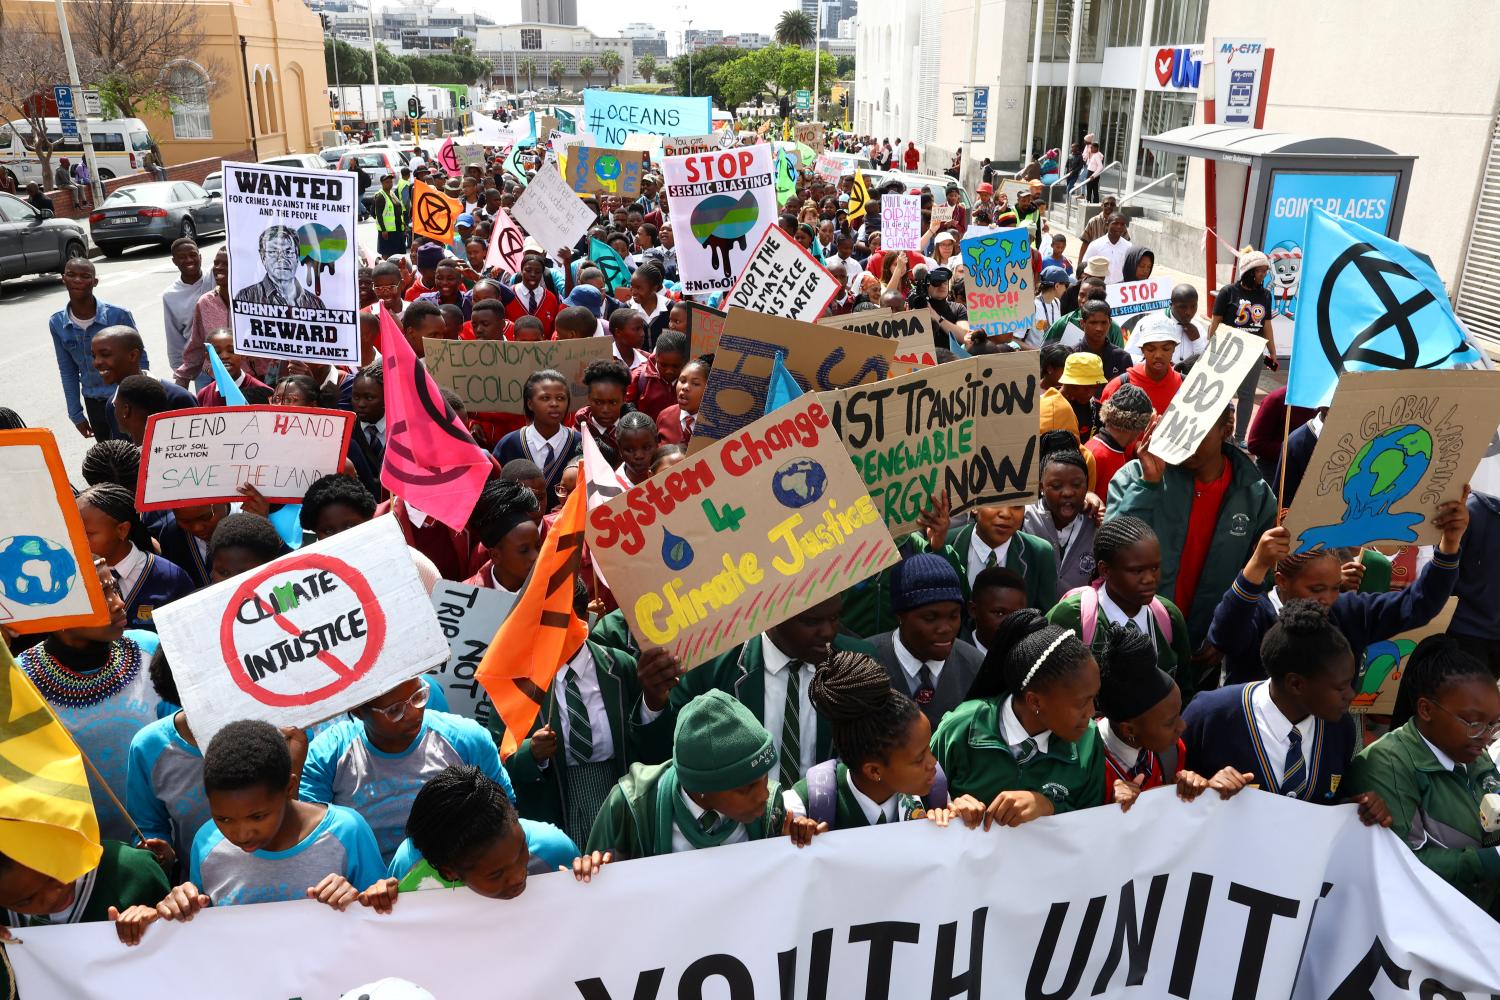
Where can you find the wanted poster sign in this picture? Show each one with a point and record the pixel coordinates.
(293, 270)
(722, 204)
(205, 456)
(305, 637)
(782, 279)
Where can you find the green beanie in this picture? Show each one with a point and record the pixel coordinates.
(720, 744)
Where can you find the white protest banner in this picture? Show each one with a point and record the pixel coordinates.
(900, 222)
(828, 168)
(1203, 395)
(551, 211)
(507, 243)
(783, 279)
(306, 636)
(493, 133)
(293, 269)
(47, 578)
(722, 204)
(469, 617)
(1207, 899)
(1128, 298)
(204, 456)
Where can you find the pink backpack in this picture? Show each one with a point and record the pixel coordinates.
(1088, 612)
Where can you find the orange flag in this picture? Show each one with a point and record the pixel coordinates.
(433, 214)
(541, 633)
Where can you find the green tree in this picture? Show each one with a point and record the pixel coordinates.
(555, 73)
(353, 64)
(704, 62)
(463, 46)
(664, 73)
(845, 67)
(586, 70)
(795, 28)
(392, 68)
(527, 68)
(645, 67)
(612, 64)
(773, 72)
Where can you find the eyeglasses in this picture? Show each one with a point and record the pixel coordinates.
(1476, 730)
(397, 712)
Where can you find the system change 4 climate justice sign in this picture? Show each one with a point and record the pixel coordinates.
(293, 271)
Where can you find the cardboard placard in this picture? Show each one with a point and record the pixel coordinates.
(469, 617)
(306, 636)
(293, 269)
(943, 212)
(471, 155)
(741, 536)
(551, 211)
(598, 170)
(705, 327)
(204, 456)
(47, 575)
(1203, 395)
(901, 222)
(490, 375)
(1000, 291)
(1395, 445)
(967, 429)
(722, 204)
(819, 359)
(809, 134)
(828, 168)
(1385, 662)
(783, 279)
(914, 330)
(1012, 189)
(686, 145)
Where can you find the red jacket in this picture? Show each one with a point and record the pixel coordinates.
(1161, 393)
(648, 391)
(546, 310)
(256, 392)
(1117, 770)
(669, 427)
(455, 554)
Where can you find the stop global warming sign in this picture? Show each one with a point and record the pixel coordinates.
(306, 636)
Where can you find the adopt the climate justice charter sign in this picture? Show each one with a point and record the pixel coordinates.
(783, 279)
(204, 456)
(722, 205)
(743, 535)
(967, 430)
(306, 636)
(1257, 898)
(293, 269)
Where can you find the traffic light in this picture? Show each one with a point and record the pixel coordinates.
(413, 107)
(784, 107)
(333, 101)
(843, 100)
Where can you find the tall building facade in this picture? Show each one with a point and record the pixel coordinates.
(550, 11)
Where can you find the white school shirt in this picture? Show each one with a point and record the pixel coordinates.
(680, 843)
(129, 570)
(1013, 733)
(1115, 615)
(582, 667)
(538, 444)
(775, 711)
(911, 666)
(1275, 729)
(979, 555)
(873, 810)
(364, 433)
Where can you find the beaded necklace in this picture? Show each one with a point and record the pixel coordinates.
(62, 685)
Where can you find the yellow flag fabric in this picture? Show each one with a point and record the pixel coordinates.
(859, 193)
(47, 819)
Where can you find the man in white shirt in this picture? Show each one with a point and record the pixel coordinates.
(1181, 317)
(179, 301)
(1112, 246)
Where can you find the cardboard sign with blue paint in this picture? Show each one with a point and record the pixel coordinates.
(612, 116)
(1362, 198)
(1000, 289)
(598, 170)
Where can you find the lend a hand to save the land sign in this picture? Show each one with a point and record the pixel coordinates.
(743, 535)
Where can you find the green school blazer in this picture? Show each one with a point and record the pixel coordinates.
(977, 761)
(1174, 657)
(628, 821)
(1034, 558)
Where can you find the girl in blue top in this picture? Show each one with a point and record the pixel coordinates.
(115, 532)
(463, 830)
(378, 759)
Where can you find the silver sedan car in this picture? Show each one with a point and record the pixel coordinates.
(155, 212)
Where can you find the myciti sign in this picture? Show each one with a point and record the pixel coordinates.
(1178, 68)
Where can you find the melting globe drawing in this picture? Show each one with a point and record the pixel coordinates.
(722, 222)
(799, 483)
(320, 245)
(1389, 466)
(35, 570)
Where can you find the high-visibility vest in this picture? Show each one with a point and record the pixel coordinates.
(391, 220)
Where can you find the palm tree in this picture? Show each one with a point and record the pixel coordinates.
(645, 66)
(527, 68)
(555, 73)
(795, 28)
(586, 70)
(612, 64)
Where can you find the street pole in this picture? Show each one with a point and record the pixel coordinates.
(374, 66)
(96, 186)
(689, 53)
(966, 138)
(1140, 97)
(1036, 68)
(1066, 148)
(817, 61)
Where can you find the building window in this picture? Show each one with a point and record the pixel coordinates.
(189, 90)
(531, 38)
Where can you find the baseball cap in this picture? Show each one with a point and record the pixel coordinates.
(1083, 368)
(947, 237)
(986, 188)
(465, 219)
(1054, 275)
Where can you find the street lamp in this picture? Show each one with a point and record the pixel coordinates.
(689, 52)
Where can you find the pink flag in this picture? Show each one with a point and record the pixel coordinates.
(431, 460)
(448, 158)
(506, 243)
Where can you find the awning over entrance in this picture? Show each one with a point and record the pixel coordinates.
(1242, 144)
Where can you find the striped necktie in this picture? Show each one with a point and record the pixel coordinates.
(791, 727)
(580, 731)
(708, 820)
(1025, 752)
(1294, 773)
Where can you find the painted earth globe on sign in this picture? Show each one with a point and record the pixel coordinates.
(799, 483)
(35, 570)
(1388, 467)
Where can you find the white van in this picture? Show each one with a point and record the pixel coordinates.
(119, 145)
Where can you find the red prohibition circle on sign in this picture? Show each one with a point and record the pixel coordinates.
(374, 635)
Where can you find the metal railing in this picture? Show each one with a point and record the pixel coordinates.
(1142, 190)
(1082, 182)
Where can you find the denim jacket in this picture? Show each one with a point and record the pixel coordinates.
(75, 356)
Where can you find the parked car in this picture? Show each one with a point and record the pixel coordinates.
(214, 182)
(374, 162)
(298, 161)
(158, 212)
(932, 184)
(32, 241)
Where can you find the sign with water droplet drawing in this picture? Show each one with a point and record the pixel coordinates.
(999, 289)
(1395, 445)
(742, 536)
